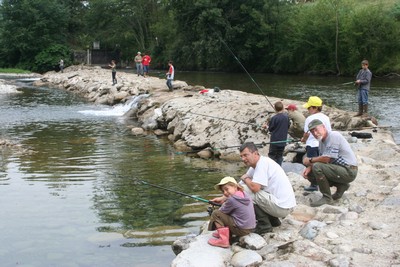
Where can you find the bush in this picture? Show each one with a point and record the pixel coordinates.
(49, 58)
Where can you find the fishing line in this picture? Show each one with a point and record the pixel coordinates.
(251, 78)
(215, 117)
(257, 145)
(180, 193)
(263, 144)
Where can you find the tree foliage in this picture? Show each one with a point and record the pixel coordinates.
(28, 27)
(321, 36)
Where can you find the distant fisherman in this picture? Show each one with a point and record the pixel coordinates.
(170, 75)
(363, 82)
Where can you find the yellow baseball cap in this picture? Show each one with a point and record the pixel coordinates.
(313, 101)
(224, 181)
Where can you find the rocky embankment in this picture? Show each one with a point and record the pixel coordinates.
(210, 124)
(360, 229)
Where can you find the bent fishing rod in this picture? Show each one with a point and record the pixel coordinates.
(215, 117)
(251, 78)
(180, 193)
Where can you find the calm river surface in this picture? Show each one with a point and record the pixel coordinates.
(71, 194)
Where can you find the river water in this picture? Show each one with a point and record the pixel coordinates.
(71, 191)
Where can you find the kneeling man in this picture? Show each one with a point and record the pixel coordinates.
(336, 164)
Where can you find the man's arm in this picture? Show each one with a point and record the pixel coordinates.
(310, 161)
(254, 187)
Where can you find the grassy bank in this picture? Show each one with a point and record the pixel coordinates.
(14, 71)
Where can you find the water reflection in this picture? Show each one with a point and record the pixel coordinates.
(71, 194)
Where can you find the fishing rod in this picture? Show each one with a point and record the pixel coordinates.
(346, 83)
(243, 67)
(183, 194)
(215, 117)
(263, 143)
(257, 145)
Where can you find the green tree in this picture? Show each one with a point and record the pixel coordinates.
(373, 33)
(208, 30)
(123, 24)
(28, 27)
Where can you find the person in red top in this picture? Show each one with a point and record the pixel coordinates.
(170, 75)
(146, 64)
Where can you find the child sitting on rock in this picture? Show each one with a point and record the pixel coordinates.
(236, 215)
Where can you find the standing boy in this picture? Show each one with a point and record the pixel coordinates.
(278, 127)
(363, 82)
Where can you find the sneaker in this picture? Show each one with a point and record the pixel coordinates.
(311, 188)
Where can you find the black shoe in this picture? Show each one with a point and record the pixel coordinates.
(262, 231)
(311, 188)
(275, 222)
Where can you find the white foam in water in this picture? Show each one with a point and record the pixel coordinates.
(117, 110)
(7, 88)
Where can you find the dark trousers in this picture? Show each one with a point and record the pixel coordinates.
(276, 153)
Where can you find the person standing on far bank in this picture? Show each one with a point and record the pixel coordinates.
(113, 67)
(363, 82)
(170, 75)
(139, 66)
(62, 66)
(146, 64)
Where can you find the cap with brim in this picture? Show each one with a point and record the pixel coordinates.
(138, 52)
(291, 107)
(224, 181)
(314, 123)
(313, 101)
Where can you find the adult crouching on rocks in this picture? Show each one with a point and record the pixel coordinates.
(336, 165)
(268, 186)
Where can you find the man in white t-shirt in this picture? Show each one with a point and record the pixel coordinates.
(314, 108)
(269, 187)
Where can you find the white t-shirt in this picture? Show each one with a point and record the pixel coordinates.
(274, 181)
(311, 141)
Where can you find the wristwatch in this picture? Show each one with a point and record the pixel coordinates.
(310, 160)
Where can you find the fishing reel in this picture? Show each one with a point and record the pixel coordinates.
(210, 209)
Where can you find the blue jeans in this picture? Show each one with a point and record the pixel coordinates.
(139, 68)
(169, 84)
(312, 151)
(362, 97)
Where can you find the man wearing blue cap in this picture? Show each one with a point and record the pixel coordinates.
(336, 164)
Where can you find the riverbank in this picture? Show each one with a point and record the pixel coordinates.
(194, 122)
(357, 230)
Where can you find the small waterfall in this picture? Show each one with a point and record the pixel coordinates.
(7, 88)
(117, 110)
